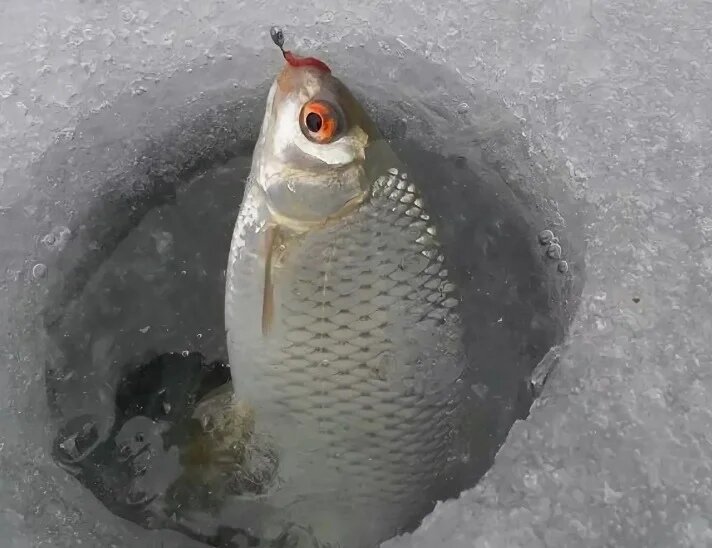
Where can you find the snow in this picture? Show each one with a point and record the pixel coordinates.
(617, 450)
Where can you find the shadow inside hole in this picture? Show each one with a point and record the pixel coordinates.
(149, 320)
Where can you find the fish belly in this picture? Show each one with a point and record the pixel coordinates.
(358, 384)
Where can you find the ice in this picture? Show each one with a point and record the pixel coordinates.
(617, 449)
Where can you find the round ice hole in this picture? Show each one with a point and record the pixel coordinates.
(131, 303)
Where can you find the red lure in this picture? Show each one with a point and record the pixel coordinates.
(291, 58)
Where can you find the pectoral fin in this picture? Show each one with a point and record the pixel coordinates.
(272, 243)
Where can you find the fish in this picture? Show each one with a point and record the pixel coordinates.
(343, 333)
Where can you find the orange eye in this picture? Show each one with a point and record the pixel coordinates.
(319, 121)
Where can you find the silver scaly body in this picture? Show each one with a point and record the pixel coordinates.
(358, 385)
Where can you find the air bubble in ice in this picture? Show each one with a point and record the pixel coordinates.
(554, 251)
(39, 271)
(545, 237)
(326, 17)
(57, 238)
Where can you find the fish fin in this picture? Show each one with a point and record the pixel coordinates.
(349, 207)
(272, 241)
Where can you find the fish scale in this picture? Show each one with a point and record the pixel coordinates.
(358, 385)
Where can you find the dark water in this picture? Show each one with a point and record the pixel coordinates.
(142, 342)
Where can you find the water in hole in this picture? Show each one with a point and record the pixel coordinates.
(146, 333)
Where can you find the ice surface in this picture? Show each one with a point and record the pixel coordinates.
(617, 451)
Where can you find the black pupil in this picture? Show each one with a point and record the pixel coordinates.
(313, 122)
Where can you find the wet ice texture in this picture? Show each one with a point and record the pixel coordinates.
(617, 451)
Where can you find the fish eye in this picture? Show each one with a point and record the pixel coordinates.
(319, 121)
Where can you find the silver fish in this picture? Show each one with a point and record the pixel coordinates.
(343, 333)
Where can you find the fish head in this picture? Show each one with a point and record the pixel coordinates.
(318, 149)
